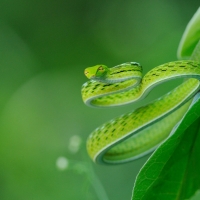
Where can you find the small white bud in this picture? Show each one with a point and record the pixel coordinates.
(62, 163)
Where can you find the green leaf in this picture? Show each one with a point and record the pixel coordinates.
(190, 37)
(173, 170)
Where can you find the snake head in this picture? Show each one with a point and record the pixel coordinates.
(96, 72)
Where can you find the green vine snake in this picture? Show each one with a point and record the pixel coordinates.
(139, 132)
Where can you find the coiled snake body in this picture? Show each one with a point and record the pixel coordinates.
(139, 132)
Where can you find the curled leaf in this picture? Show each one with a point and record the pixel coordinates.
(190, 37)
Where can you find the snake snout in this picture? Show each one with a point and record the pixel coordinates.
(88, 74)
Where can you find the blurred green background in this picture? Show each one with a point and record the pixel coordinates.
(44, 48)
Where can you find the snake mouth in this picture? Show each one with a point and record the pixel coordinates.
(92, 77)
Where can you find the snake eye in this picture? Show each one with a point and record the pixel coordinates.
(101, 71)
(100, 68)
